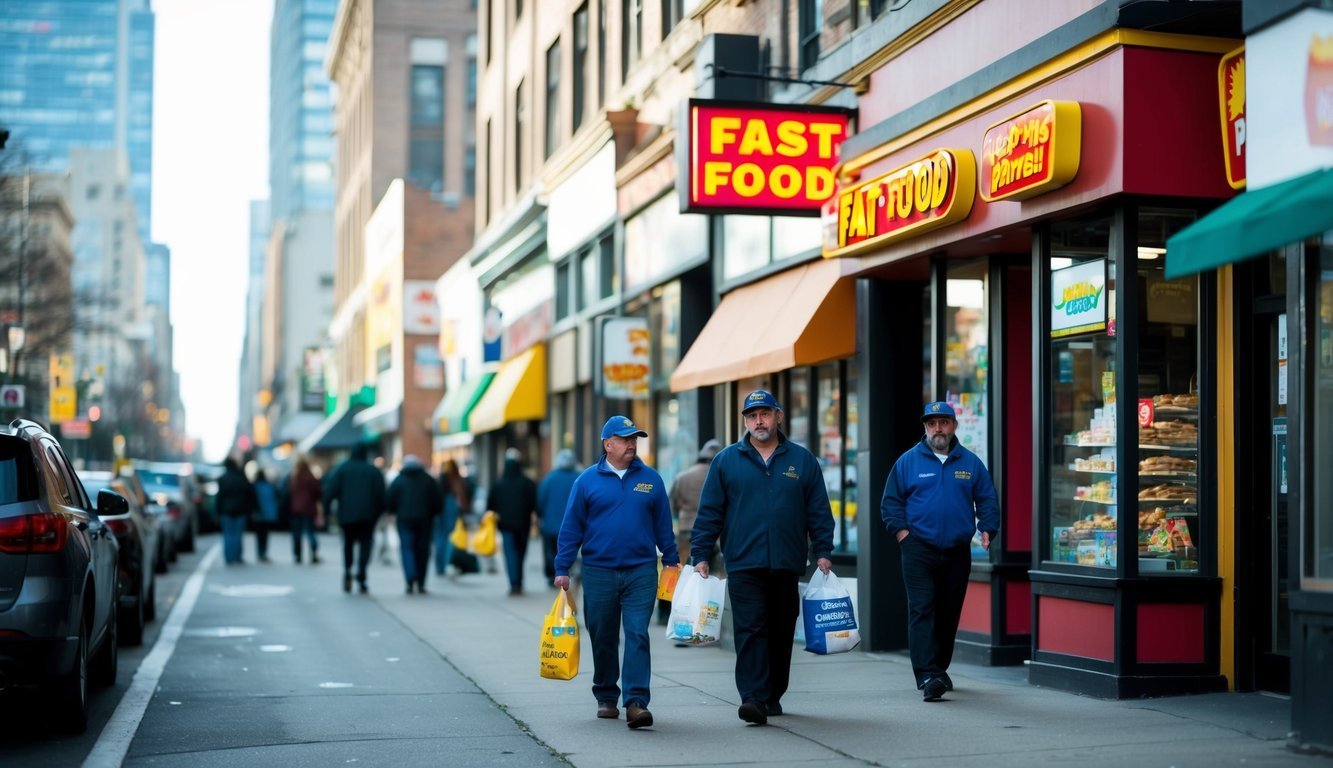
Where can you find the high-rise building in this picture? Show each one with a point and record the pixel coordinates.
(79, 73)
(300, 108)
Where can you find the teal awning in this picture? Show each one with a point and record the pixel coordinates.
(451, 415)
(1253, 223)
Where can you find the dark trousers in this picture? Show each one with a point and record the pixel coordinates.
(360, 534)
(414, 549)
(516, 549)
(764, 605)
(261, 538)
(936, 582)
(303, 526)
(549, 541)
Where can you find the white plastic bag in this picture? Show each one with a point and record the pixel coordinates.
(830, 622)
(696, 609)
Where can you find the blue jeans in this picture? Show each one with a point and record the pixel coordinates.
(414, 547)
(233, 529)
(303, 526)
(444, 549)
(616, 598)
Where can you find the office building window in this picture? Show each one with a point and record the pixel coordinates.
(471, 85)
(518, 9)
(672, 10)
(631, 34)
(552, 97)
(520, 132)
(579, 84)
(601, 53)
(426, 107)
(812, 26)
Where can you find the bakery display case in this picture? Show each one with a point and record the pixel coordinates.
(1168, 498)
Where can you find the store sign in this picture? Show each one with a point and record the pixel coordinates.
(1078, 298)
(625, 358)
(1231, 102)
(1031, 153)
(759, 159)
(932, 192)
(1319, 91)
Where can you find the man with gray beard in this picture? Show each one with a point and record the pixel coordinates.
(937, 497)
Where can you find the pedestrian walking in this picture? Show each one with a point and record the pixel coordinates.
(266, 496)
(684, 498)
(938, 496)
(235, 503)
(765, 496)
(457, 493)
(306, 514)
(414, 501)
(552, 498)
(618, 518)
(355, 492)
(513, 498)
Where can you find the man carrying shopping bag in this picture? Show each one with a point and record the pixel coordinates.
(765, 496)
(618, 518)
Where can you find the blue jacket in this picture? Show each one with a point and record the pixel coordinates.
(768, 517)
(358, 488)
(616, 522)
(944, 504)
(552, 498)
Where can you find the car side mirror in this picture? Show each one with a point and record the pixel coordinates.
(111, 503)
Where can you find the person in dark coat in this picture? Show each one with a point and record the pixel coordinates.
(513, 498)
(354, 491)
(552, 496)
(303, 500)
(458, 492)
(765, 496)
(414, 501)
(235, 501)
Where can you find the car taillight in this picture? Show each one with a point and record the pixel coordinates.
(38, 533)
(173, 510)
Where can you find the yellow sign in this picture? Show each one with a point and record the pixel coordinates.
(64, 404)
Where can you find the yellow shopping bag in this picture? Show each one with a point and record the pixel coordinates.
(483, 542)
(666, 582)
(560, 640)
(459, 537)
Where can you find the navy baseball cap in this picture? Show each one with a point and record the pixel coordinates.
(759, 399)
(939, 409)
(621, 426)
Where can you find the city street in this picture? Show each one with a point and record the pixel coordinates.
(273, 664)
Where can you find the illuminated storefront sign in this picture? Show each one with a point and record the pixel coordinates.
(1231, 98)
(1078, 298)
(1031, 153)
(932, 192)
(759, 159)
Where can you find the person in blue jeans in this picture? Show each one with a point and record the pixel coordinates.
(235, 502)
(618, 518)
(414, 500)
(552, 498)
(938, 496)
(457, 492)
(513, 499)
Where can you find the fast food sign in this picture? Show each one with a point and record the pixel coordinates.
(759, 159)
(932, 192)
(1031, 153)
(1231, 102)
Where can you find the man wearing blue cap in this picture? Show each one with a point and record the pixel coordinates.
(765, 496)
(619, 518)
(937, 497)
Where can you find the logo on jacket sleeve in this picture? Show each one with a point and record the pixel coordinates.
(791, 472)
(644, 488)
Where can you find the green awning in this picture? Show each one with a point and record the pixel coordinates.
(451, 415)
(1253, 223)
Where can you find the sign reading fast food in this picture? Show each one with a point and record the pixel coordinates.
(1031, 153)
(932, 192)
(1231, 100)
(759, 159)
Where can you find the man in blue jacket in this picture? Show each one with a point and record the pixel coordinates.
(765, 496)
(618, 516)
(937, 497)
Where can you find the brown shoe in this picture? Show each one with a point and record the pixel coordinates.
(607, 710)
(638, 717)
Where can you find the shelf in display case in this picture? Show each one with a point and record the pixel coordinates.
(1177, 410)
(1179, 475)
(1096, 501)
(1073, 468)
(1172, 448)
(1167, 500)
(1077, 444)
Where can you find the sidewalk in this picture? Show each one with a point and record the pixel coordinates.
(847, 710)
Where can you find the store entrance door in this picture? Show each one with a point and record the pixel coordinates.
(1262, 526)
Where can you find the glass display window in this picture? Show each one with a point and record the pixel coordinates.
(1318, 553)
(967, 361)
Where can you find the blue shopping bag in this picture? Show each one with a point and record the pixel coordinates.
(829, 619)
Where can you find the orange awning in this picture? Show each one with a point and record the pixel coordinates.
(803, 316)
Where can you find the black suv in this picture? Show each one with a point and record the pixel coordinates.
(57, 574)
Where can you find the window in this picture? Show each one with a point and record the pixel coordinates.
(426, 113)
(967, 361)
(518, 9)
(579, 83)
(486, 28)
(672, 10)
(1318, 552)
(812, 26)
(601, 52)
(471, 86)
(427, 96)
(486, 173)
(588, 278)
(552, 97)
(609, 277)
(520, 129)
(564, 290)
(470, 169)
(631, 35)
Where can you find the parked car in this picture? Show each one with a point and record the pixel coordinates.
(165, 552)
(171, 484)
(58, 564)
(137, 533)
(206, 477)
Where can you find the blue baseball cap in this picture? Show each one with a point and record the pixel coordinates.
(621, 426)
(759, 398)
(939, 409)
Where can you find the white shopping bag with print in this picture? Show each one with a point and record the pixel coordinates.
(696, 609)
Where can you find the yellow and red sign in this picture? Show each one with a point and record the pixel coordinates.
(747, 158)
(1231, 100)
(1031, 153)
(932, 192)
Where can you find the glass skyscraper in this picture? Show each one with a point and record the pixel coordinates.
(79, 73)
(300, 109)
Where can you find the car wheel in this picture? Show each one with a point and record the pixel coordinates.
(150, 610)
(134, 620)
(69, 694)
(102, 670)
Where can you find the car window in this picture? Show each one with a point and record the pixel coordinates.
(158, 481)
(18, 476)
(62, 489)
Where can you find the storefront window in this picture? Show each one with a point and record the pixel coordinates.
(677, 443)
(1319, 568)
(839, 477)
(846, 535)
(797, 404)
(967, 362)
(1168, 403)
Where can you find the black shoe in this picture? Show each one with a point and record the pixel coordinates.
(410, 587)
(753, 712)
(347, 582)
(933, 689)
(774, 708)
(421, 587)
(314, 560)
(362, 589)
(948, 682)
